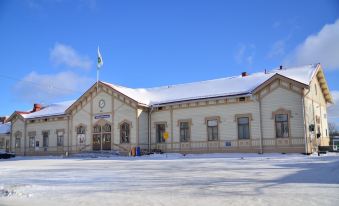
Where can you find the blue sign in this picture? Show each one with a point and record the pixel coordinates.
(102, 116)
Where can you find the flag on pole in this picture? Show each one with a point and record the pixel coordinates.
(100, 62)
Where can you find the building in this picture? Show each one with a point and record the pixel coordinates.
(5, 128)
(283, 110)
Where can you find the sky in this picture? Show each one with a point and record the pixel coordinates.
(48, 48)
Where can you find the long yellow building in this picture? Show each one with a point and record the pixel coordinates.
(283, 110)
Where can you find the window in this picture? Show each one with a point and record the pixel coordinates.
(124, 132)
(2, 143)
(212, 130)
(184, 132)
(60, 138)
(45, 139)
(243, 128)
(17, 142)
(81, 130)
(97, 129)
(31, 140)
(242, 99)
(106, 128)
(160, 130)
(281, 125)
(81, 134)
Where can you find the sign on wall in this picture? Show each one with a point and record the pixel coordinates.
(102, 116)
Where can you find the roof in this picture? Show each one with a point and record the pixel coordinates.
(229, 86)
(50, 110)
(236, 85)
(5, 128)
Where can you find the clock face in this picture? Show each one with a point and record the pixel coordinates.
(101, 103)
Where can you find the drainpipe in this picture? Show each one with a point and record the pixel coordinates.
(149, 128)
(25, 140)
(261, 129)
(305, 125)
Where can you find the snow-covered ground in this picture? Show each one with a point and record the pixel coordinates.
(172, 179)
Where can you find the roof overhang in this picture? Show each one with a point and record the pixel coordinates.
(276, 77)
(323, 84)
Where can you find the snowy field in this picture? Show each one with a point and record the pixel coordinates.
(214, 179)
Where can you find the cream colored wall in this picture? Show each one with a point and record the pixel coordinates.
(17, 125)
(288, 100)
(83, 116)
(143, 128)
(227, 125)
(315, 105)
(52, 127)
(123, 112)
(160, 116)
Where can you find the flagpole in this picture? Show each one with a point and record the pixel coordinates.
(97, 79)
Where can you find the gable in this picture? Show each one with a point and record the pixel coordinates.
(102, 90)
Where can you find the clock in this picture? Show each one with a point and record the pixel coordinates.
(102, 103)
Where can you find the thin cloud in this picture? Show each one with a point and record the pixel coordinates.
(37, 87)
(63, 54)
(245, 54)
(322, 47)
(278, 49)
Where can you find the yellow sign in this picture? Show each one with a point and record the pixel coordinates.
(165, 135)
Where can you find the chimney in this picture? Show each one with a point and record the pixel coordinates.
(2, 120)
(36, 107)
(244, 74)
(281, 67)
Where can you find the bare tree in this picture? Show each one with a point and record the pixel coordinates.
(332, 129)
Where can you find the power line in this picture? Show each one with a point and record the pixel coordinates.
(38, 84)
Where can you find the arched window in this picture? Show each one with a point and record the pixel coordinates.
(97, 129)
(18, 140)
(124, 132)
(106, 128)
(81, 130)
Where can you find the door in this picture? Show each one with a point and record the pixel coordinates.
(96, 142)
(106, 141)
(7, 145)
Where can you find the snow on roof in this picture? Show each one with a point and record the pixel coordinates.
(50, 110)
(5, 128)
(229, 86)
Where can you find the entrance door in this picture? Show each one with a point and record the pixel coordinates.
(102, 136)
(106, 142)
(96, 142)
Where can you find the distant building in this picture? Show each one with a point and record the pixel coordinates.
(5, 129)
(283, 110)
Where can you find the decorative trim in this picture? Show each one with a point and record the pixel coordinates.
(80, 125)
(184, 120)
(102, 122)
(60, 130)
(212, 118)
(161, 122)
(249, 115)
(125, 121)
(17, 133)
(32, 134)
(282, 111)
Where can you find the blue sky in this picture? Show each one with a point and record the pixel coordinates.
(48, 48)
